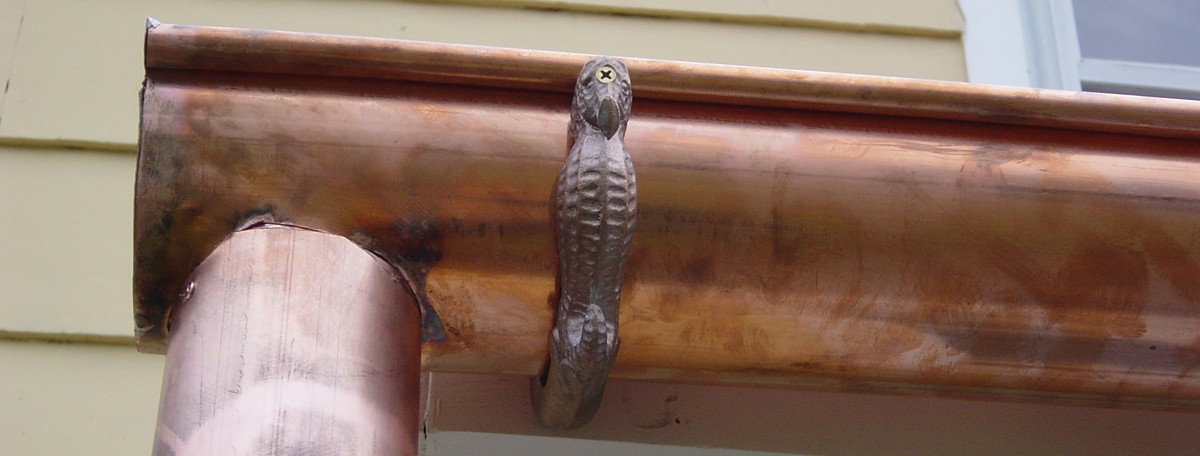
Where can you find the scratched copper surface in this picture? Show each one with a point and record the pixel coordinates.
(818, 246)
(290, 341)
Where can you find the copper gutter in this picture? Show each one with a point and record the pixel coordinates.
(836, 231)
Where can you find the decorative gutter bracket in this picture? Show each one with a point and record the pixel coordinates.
(595, 207)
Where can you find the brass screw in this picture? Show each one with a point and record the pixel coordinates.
(606, 74)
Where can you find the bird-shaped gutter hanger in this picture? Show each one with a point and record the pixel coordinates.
(595, 204)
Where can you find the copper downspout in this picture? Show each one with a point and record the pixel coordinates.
(289, 341)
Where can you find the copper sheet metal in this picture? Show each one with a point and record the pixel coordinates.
(291, 342)
(847, 232)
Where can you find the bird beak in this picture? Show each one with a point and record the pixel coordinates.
(610, 117)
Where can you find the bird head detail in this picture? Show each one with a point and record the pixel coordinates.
(602, 97)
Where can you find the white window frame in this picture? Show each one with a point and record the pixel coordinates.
(1034, 43)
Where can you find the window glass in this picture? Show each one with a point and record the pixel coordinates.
(1152, 31)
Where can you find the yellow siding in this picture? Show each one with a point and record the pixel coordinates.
(922, 17)
(66, 232)
(10, 25)
(60, 399)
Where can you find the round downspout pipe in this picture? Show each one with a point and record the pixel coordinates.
(290, 341)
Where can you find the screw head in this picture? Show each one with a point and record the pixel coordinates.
(606, 74)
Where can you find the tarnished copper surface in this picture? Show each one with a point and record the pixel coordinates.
(288, 342)
(959, 238)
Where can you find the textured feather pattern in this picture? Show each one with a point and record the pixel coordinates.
(595, 209)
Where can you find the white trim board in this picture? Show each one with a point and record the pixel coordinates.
(1034, 43)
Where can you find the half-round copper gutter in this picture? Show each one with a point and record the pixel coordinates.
(832, 231)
